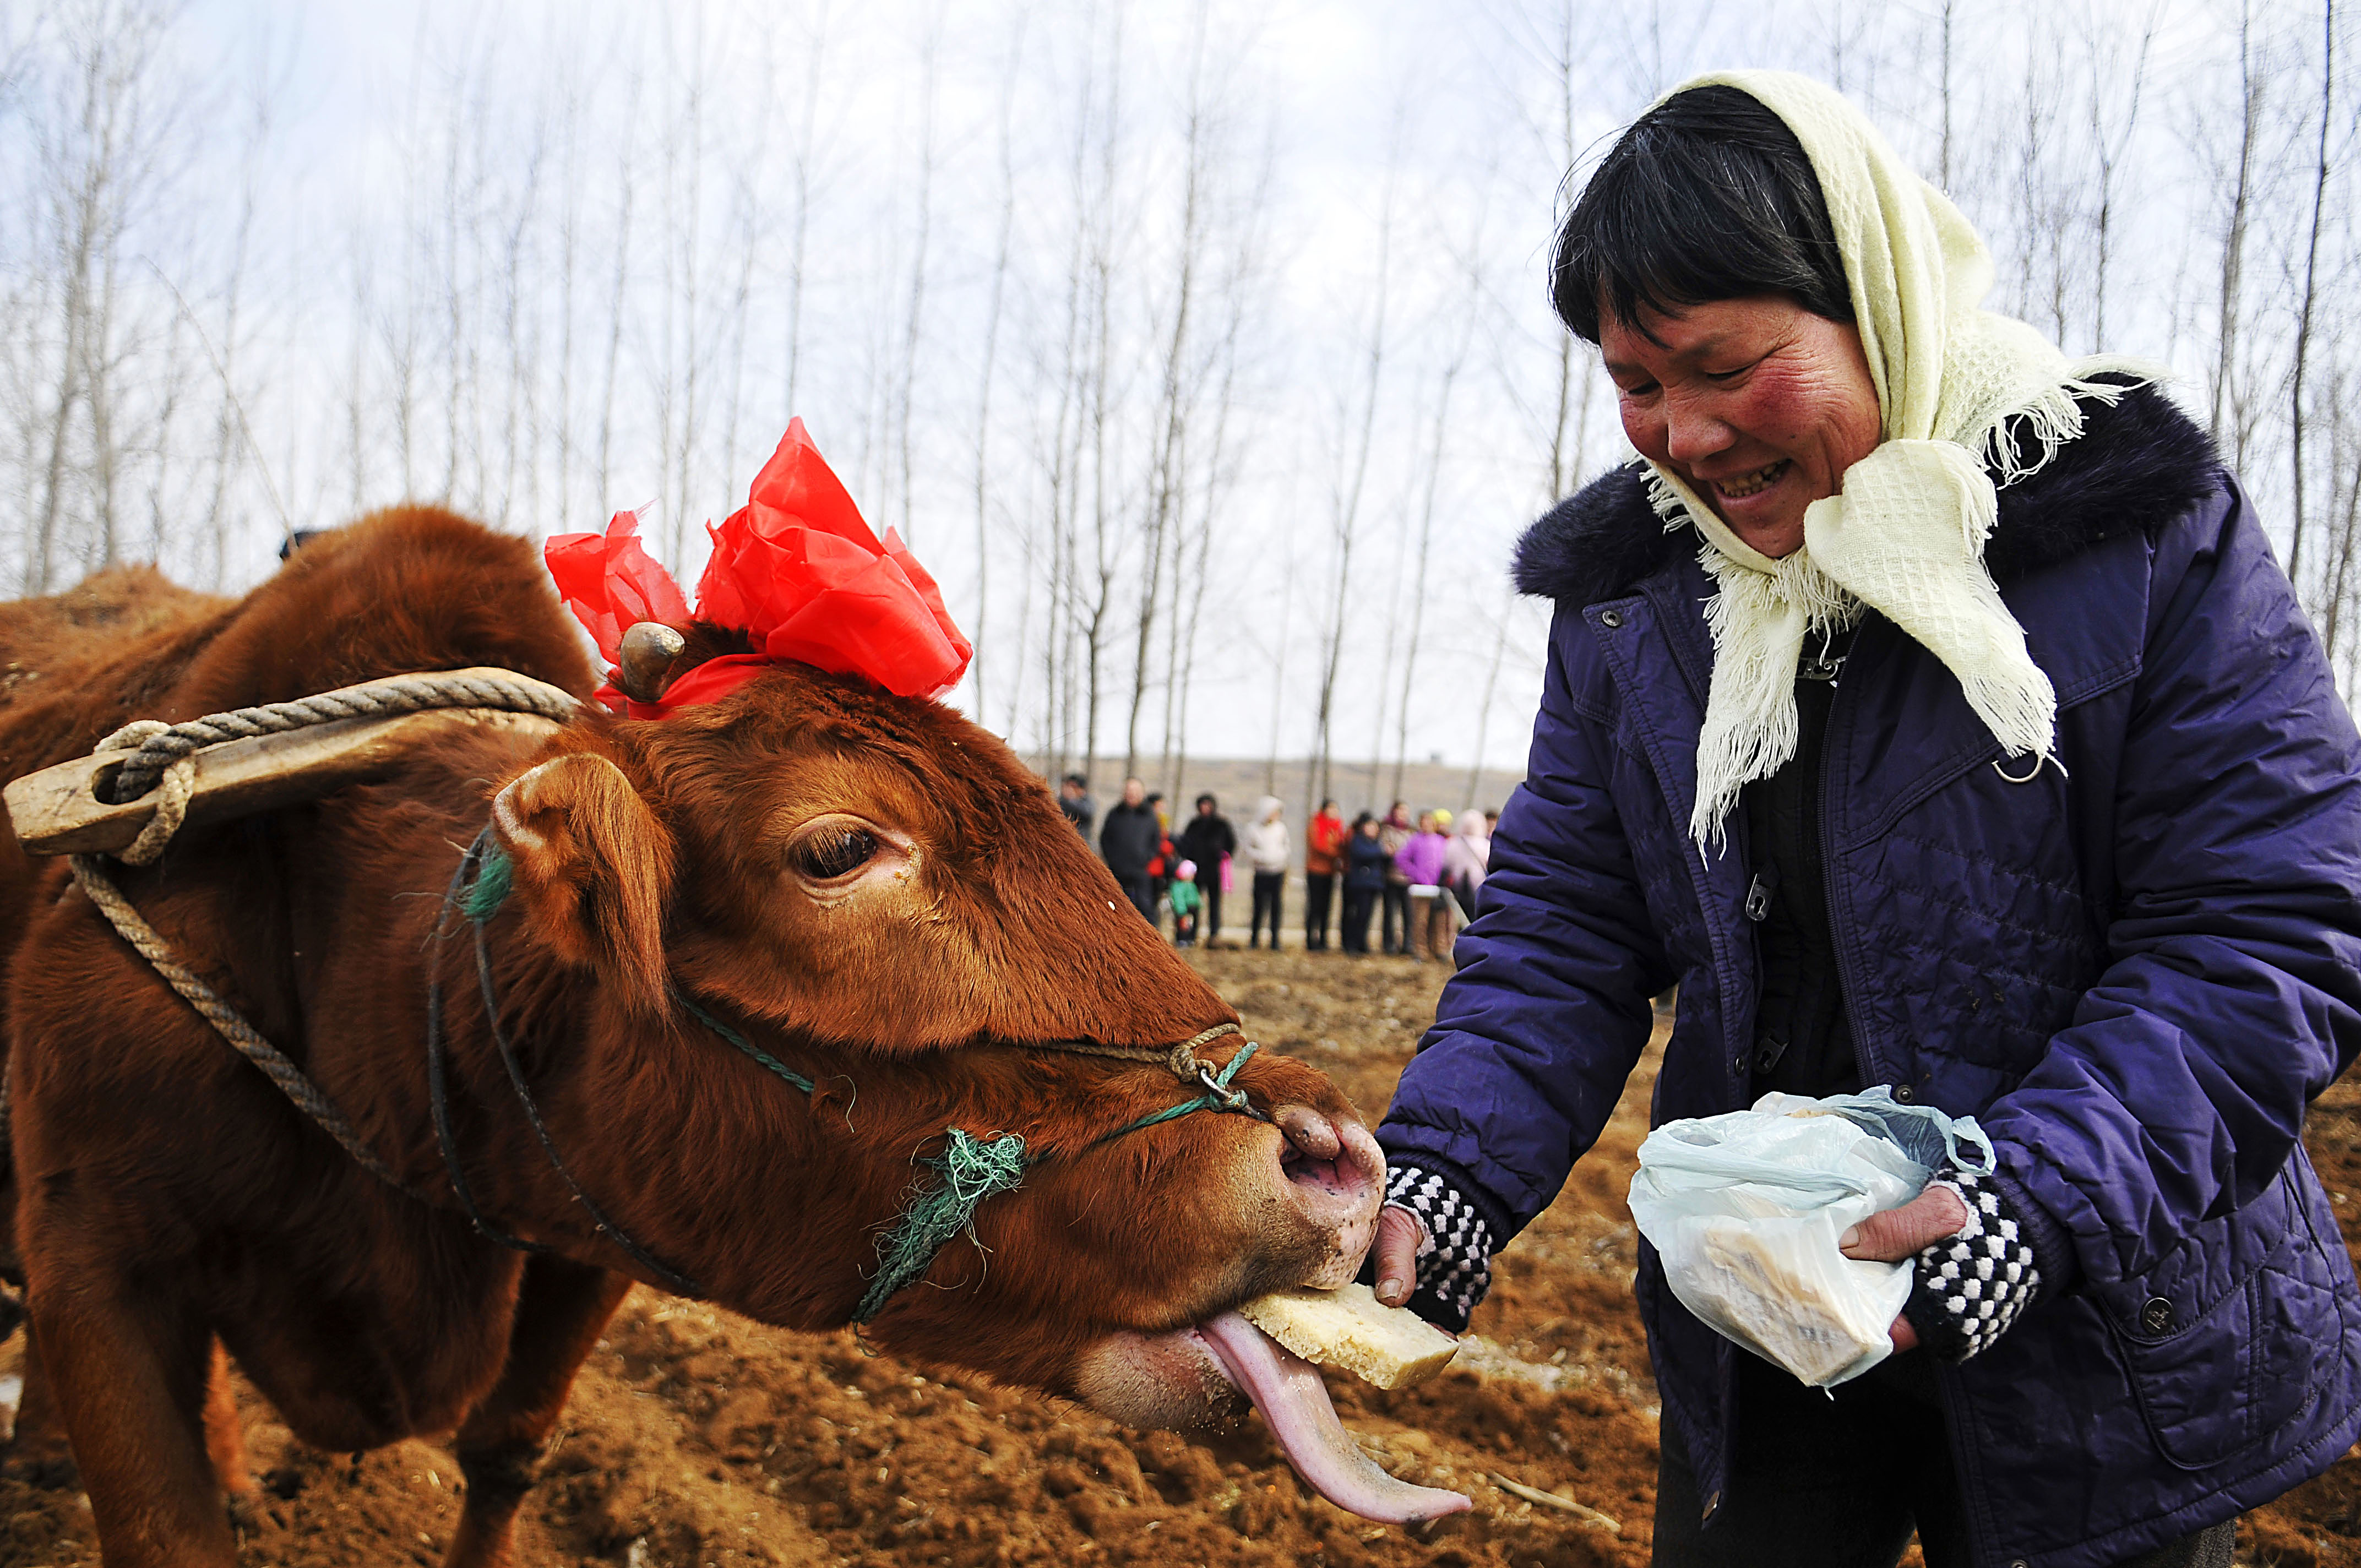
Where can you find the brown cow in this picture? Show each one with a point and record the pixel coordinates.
(872, 890)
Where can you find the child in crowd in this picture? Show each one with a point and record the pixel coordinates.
(1185, 900)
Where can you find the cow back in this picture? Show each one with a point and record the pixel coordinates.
(409, 588)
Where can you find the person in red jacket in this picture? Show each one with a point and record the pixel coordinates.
(1324, 842)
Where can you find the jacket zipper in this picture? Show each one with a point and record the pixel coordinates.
(1871, 1071)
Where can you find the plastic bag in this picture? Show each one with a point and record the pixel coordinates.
(1745, 1209)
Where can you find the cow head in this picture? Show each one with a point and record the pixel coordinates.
(880, 897)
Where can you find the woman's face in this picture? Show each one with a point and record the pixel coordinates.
(1759, 405)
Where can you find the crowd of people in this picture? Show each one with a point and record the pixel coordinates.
(1417, 878)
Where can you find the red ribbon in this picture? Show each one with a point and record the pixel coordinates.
(795, 568)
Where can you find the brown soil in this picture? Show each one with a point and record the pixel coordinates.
(695, 1438)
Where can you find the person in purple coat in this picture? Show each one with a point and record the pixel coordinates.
(1960, 736)
(1419, 862)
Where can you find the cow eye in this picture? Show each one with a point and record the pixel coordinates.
(833, 851)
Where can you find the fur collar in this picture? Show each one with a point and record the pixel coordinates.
(2139, 463)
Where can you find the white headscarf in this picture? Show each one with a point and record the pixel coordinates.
(1956, 386)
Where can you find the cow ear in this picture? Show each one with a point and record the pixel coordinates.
(593, 866)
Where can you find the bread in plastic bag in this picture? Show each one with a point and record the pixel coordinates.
(1745, 1209)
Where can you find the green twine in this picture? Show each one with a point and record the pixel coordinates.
(1221, 1097)
(495, 876)
(973, 1169)
(744, 1044)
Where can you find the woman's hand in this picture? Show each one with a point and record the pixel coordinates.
(1889, 1236)
(1398, 1234)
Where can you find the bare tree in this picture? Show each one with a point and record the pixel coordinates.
(915, 315)
(619, 292)
(1359, 430)
(2229, 422)
(1944, 16)
(1010, 76)
(100, 157)
(1176, 391)
(1419, 577)
(1217, 457)
(805, 162)
(2111, 146)
(2297, 417)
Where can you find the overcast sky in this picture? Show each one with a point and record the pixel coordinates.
(1434, 125)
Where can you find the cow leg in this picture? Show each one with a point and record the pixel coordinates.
(38, 1455)
(225, 1439)
(131, 1382)
(561, 1308)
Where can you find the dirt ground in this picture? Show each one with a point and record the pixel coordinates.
(697, 1439)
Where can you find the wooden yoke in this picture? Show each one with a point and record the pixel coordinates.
(58, 811)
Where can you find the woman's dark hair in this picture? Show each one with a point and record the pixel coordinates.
(1709, 196)
(1365, 819)
(1205, 800)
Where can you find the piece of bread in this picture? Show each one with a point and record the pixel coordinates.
(1759, 1298)
(1389, 1346)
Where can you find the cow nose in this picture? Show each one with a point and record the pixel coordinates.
(1310, 1132)
(1335, 1179)
(1332, 1165)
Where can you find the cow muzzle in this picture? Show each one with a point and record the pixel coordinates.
(1204, 1376)
(1331, 1178)
(1333, 1175)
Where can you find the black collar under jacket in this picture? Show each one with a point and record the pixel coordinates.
(2138, 464)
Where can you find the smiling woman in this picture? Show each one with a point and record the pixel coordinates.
(1736, 363)
(1878, 543)
(1758, 404)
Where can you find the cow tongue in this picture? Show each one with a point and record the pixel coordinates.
(1288, 1391)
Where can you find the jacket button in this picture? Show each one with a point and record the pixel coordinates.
(2156, 1315)
(1902, 1092)
(2018, 1563)
(1611, 618)
(1741, 1062)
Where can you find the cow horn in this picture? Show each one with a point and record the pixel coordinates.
(645, 659)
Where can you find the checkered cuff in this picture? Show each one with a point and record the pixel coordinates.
(1454, 1259)
(1970, 1287)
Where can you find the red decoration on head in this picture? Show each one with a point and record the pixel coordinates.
(796, 569)
(610, 584)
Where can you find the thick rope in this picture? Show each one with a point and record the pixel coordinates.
(1180, 1059)
(1218, 1096)
(163, 762)
(173, 789)
(158, 746)
(305, 1095)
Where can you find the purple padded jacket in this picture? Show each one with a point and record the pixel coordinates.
(2135, 971)
(1420, 860)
